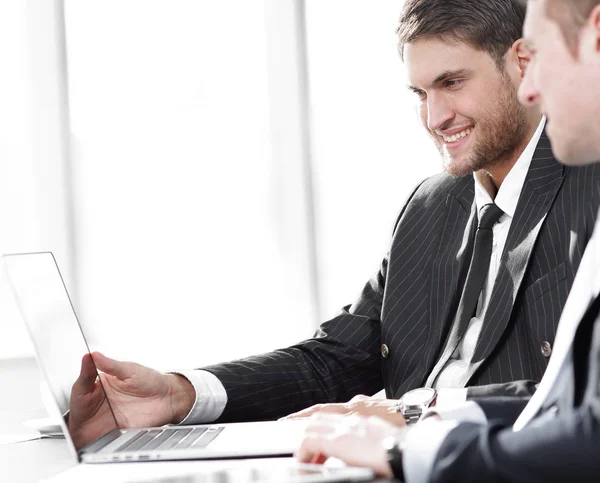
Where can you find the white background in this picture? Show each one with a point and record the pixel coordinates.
(227, 177)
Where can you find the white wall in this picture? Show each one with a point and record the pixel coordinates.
(18, 208)
(197, 142)
(34, 186)
(369, 148)
(180, 236)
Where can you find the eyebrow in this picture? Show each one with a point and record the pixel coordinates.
(414, 89)
(443, 77)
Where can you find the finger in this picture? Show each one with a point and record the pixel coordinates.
(318, 459)
(310, 447)
(88, 374)
(297, 415)
(334, 409)
(110, 366)
(330, 419)
(318, 428)
(359, 397)
(305, 413)
(322, 409)
(326, 425)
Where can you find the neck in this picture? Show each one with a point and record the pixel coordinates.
(493, 177)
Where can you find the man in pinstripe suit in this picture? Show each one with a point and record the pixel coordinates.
(465, 61)
(556, 437)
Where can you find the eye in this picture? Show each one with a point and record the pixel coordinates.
(421, 95)
(453, 83)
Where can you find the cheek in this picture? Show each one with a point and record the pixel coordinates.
(471, 104)
(422, 113)
(539, 78)
(467, 113)
(548, 77)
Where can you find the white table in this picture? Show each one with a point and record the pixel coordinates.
(20, 400)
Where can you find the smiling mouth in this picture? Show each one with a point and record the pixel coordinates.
(457, 137)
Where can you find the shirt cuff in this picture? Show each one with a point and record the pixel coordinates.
(450, 397)
(468, 412)
(211, 397)
(421, 446)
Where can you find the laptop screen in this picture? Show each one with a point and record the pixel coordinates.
(59, 342)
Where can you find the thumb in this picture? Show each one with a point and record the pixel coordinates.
(111, 366)
(87, 375)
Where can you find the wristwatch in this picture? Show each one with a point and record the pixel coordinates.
(412, 404)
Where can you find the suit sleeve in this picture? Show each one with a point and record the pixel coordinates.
(515, 388)
(504, 409)
(424, 441)
(341, 360)
(557, 449)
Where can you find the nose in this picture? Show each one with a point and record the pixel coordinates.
(528, 94)
(439, 111)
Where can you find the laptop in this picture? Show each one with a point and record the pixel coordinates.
(60, 344)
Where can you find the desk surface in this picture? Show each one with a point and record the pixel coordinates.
(20, 400)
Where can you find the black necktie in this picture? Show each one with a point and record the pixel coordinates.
(478, 269)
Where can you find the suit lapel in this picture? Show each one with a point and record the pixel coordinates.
(558, 384)
(541, 185)
(448, 278)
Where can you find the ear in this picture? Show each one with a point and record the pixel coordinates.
(595, 24)
(522, 54)
(589, 37)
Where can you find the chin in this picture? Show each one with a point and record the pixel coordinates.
(582, 161)
(458, 168)
(571, 153)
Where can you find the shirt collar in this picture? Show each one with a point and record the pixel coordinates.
(510, 190)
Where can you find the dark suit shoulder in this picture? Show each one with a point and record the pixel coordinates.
(589, 174)
(434, 191)
(443, 184)
(582, 184)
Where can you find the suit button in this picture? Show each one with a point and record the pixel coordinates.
(385, 351)
(546, 349)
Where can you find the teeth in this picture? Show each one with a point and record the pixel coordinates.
(458, 136)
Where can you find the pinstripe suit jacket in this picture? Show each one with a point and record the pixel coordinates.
(410, 303)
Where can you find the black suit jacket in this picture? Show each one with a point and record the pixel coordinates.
(561, 444)
(409, 305)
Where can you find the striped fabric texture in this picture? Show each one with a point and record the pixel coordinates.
(410, 303)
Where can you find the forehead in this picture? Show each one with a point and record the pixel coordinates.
(427, 58)
(538, 25)
(534, 19)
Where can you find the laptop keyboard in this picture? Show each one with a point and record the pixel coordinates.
(170, 438)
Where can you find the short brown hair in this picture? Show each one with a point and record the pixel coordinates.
(488, 25)
(570, 15)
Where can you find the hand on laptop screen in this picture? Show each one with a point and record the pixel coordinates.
(89, 414)
(139, 397)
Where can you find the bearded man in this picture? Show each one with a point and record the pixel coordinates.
(555, 435)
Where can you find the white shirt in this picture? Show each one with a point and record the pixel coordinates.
(452, 379)
(211, 397)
